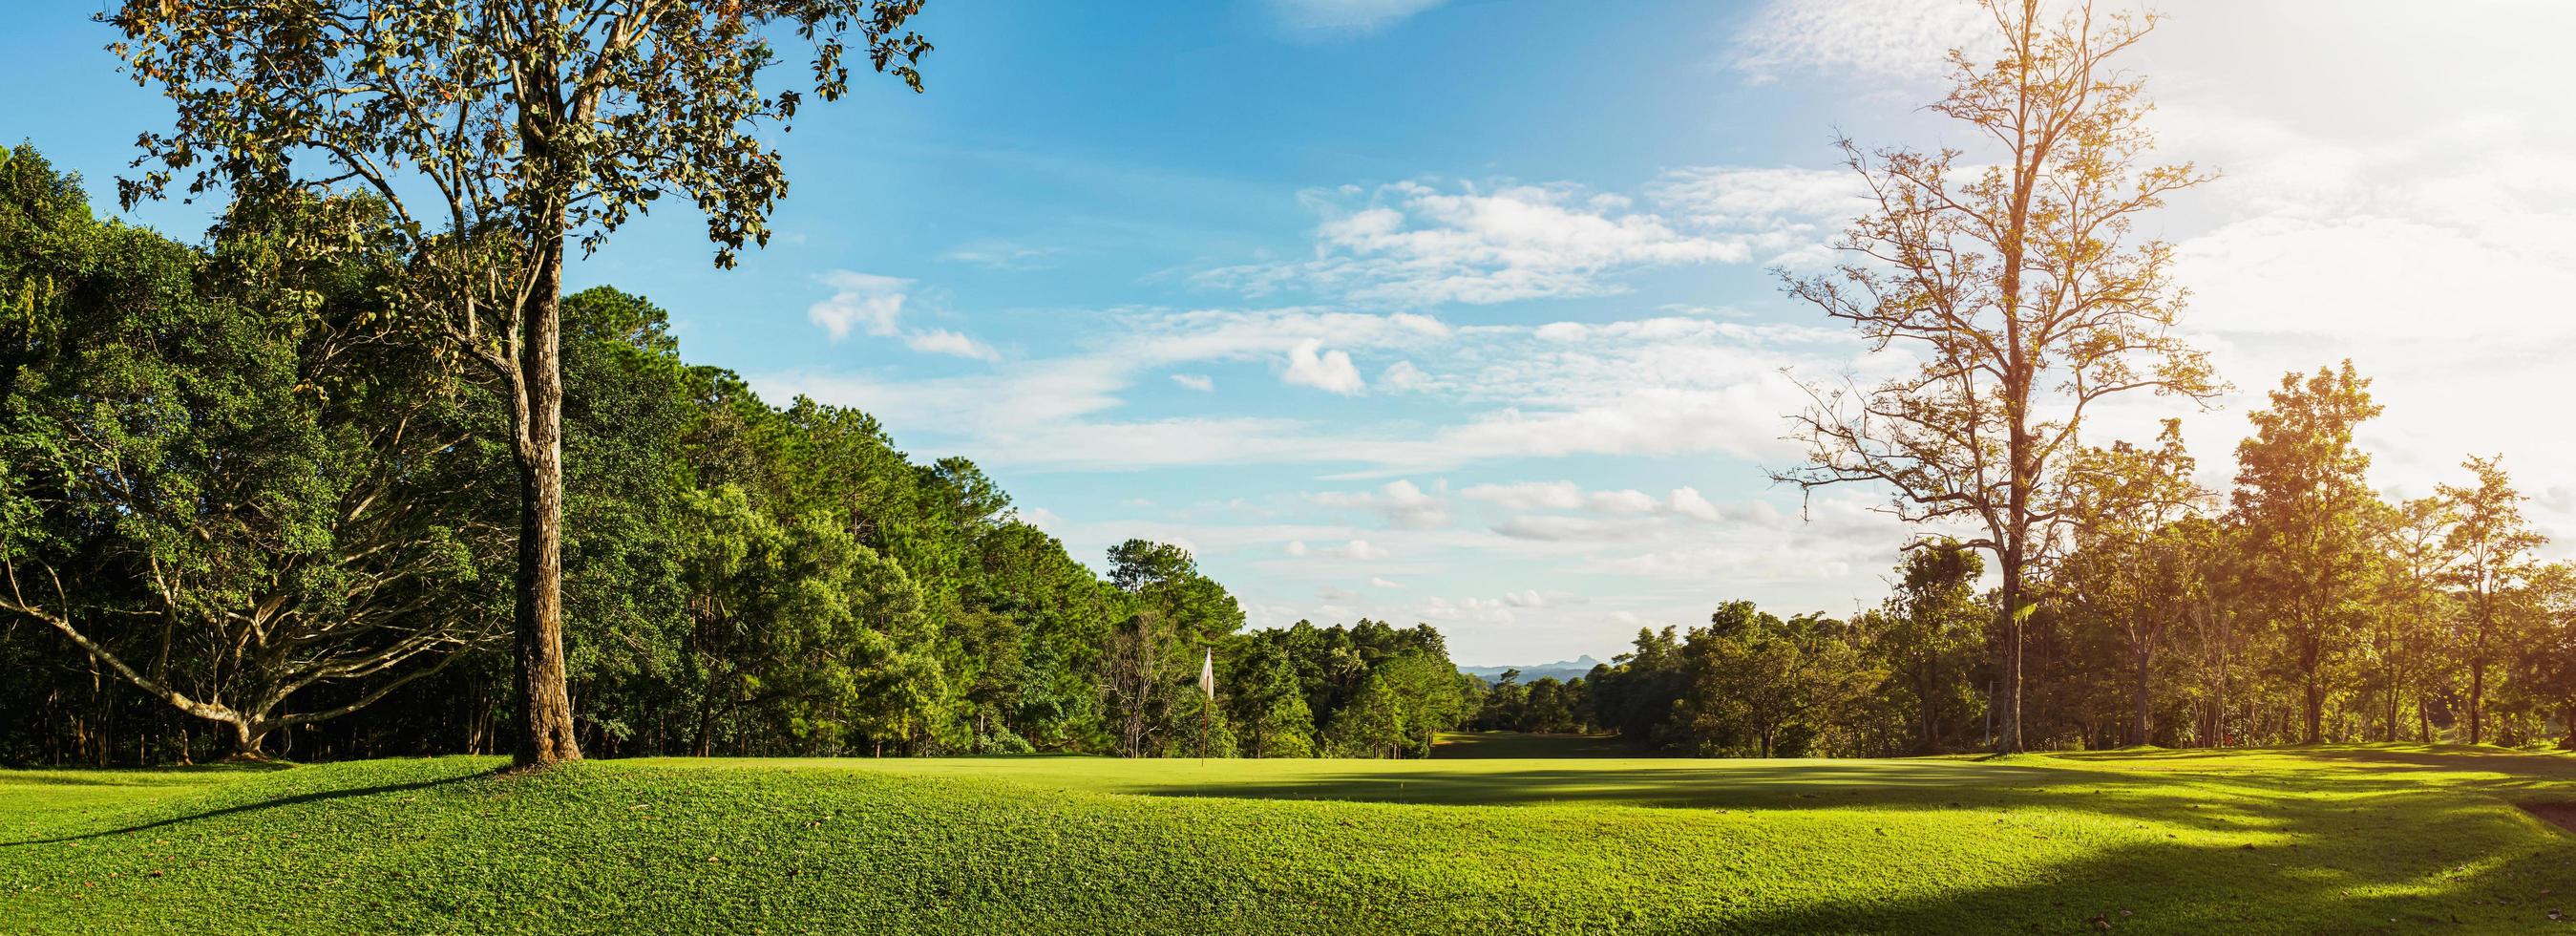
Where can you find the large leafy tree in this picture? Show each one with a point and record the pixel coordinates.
(494, 133)
(1928, 636)
(2493, 568)
(2411, 614)
(2012, 274)
(235, 500)
(1175, 611)
(2135, 560)
(2304, 505)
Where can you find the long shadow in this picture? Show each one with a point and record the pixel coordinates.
(1491, 745)
(315, 797)
(2331, 798)
(126, 776)
(2181, 889)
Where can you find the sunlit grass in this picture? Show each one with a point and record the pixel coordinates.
(2298, 840)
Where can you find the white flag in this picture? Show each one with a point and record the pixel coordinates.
(1207, 675)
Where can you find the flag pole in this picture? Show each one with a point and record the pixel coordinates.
(1207, 689)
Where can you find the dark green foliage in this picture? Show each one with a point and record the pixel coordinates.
(204, 446)
(1368, 690)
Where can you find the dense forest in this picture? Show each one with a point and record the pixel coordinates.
(242, 510)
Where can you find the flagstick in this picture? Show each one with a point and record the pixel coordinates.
(1207, 688)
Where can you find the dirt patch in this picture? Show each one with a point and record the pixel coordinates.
(2562, 815)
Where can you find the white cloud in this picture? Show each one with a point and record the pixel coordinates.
(1356, 550)
(1690, 503)
(1400, 502)
(859, 301)
(1329, 371)
(1886, 39)
(1420, 243)
(997, 254)
(1403, 376)
(1347, 16)
(942, 341)
(866, 302)
(1383, 583)
(1528, 495)
(1045, 520)
(1199, 382)
(1413, 244)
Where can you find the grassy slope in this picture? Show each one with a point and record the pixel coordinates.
(2343, 839)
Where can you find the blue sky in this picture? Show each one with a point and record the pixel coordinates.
(1459, 312)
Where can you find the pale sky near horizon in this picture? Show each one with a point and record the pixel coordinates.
(1458, 312)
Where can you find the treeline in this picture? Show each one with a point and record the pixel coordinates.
(243, 510)
(2301, 606)
(1370, 690)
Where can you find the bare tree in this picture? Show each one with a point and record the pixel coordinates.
(2019, 284)
(494, 131)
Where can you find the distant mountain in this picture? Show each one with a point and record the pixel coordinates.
(1563, 670)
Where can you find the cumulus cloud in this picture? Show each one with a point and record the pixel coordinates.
(1330, 371)
(1403, 376)
(874, 305)
(1356, 549)
(860, 301)
(1690, 503)
(1199, 382)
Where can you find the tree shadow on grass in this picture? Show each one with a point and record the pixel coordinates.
(131, 776)
(2330, 799)
(2203, 889)
(254, 806)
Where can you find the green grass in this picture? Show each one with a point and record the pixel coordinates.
(2334, 839)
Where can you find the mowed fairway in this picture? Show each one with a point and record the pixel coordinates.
(2333, 839)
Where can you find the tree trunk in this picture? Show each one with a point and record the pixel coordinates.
(247, 739)
(547, 735)
(705, 744)
(2008, 691)
(2392, 704)
(2477, 698)
(2138, 727)
(2316, 705)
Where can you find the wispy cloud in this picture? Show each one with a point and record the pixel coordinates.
(1318, 18)
(1421, 243)
(1883, 39)
(999, 254)
(1400, 502)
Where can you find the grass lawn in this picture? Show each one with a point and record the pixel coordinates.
(1487, 838)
